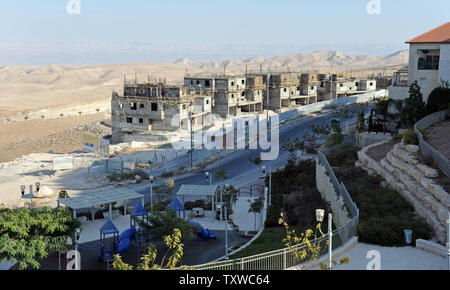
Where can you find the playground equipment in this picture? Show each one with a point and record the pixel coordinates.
(139, 232)
(121, 243)
(178, 207)
(201, 232)
(107, 253)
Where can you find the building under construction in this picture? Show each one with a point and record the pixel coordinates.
(148, 107)
(333, 86)
(232, 94)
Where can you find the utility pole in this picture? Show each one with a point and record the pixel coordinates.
(226, 234)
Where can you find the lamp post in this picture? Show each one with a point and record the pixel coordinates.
(320, 213)
(226, 233)
(448, 241)
(270, 182)
(208, 176)
(22, 191)
(151, 192)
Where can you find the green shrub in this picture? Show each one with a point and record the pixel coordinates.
(410, 137)
(438, 100)
(333, 140)
(221, 173)
(273, 215)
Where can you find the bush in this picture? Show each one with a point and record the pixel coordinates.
(221, 173)
(384, 213)
(410, 137)
(273, 215)
(333, 140)
(438, 100)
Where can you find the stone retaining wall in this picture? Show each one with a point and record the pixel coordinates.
(324, 185)
(402, 170)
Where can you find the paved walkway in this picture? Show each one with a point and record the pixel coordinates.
(405, 258)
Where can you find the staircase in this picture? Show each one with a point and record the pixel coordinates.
(402, 169)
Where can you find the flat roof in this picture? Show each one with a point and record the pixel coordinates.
(99, 197)
(200, 190)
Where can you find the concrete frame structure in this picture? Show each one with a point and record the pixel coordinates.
(148, 107)
(334, 87)
(231, 95)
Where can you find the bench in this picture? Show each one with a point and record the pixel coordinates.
(115, 213)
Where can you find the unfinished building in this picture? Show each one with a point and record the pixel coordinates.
(231, 95)
(288, 90)
(333, 87)
(148, 107)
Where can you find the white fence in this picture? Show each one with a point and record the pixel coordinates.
(427, 149)
(283, 259)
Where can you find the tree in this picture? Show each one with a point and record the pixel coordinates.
(335, 138)
(304, 247)
(414, 107)
(30, 234)
(361, 122)
(256, 207)
(162, 223)
(170, 183)
(174, 248)
(438, 100)
(221, 173)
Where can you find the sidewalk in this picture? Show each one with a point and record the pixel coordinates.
(405, 258)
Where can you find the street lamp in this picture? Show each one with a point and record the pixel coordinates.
(448, 240)
(270, 182)
(208, 176)
(151, 192)
(320, 214)
(226, 233)
(22, 191)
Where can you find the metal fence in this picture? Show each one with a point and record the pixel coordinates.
(426, 149)
(146, 168)
(339, 186)
(283, 259)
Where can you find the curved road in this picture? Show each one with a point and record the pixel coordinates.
(239, 169)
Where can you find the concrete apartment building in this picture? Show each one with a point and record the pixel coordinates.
(231, 94)
(333, 87)
(149, 107)
(429, 63)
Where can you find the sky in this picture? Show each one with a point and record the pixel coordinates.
(268, 27)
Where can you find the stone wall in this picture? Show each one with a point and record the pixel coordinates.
(324, 185)
(366, 139)
(414, 181)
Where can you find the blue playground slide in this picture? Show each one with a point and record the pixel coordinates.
(201, 232)
(125, 240)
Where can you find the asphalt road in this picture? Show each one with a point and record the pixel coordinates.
(239, 169)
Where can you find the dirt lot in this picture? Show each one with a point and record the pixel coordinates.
(439, 137)
(61, 135)
(379, 152)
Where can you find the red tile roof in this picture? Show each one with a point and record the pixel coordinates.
(439, 34)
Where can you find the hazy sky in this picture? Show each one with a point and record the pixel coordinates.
(225, 22)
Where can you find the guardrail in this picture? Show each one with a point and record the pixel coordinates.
(426, 149)
(283, 259)
(339, 186)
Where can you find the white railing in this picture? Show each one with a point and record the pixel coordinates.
(428, 150)
(283, 259)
